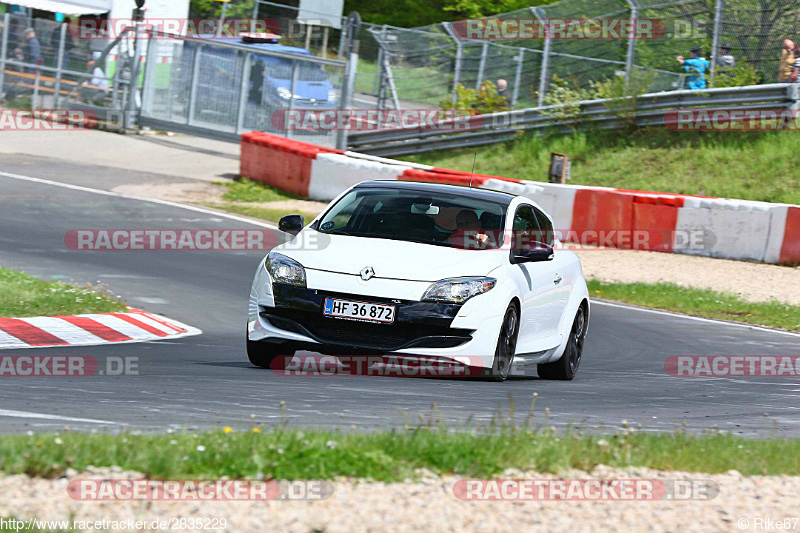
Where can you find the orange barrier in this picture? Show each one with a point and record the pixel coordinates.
(790, 251)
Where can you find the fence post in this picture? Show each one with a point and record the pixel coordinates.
(631, 41)
(548, 39)
(4, 51)
(459, 59)
(342, 41)
(193, 87)
(292, 89)
(248, 59)
(134, 86)
(149, 83)
(380, 58)
(719, 9)
(256, 5)
(348, 87)
(518, 77)
(59, 66)
(481, 65)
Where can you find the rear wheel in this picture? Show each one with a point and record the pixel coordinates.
(566, 367)
(263, 353)
(506, 346)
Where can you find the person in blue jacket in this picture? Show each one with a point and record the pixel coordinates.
(695, 68)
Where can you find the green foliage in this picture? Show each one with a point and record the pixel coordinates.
(567, 94)
(212, 8)
(483, 8)
(742, 74)
(22, 295)
(477, 102)
(623, 95)
(394, 455)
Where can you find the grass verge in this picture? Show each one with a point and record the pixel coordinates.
(699, 302)
(245, 190)
(264, 213)
(389, 455)
(22, 295)
(746, 165)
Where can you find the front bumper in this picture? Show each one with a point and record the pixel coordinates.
(417, 324)
(293, 316)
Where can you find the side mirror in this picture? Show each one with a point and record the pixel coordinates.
(542, 252)
(291, 224)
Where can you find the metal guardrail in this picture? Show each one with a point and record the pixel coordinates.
(650, 110)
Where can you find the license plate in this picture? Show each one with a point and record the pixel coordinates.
(358, 310)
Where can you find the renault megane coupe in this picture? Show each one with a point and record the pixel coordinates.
(404, 269)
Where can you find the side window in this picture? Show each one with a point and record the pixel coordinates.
(547, 235)
(525, 228)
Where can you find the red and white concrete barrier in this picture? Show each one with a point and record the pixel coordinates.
(734, 229)
(90, 329)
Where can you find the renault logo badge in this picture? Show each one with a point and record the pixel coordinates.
(367, 273)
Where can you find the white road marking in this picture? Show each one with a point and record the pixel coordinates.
(689, 317)
(25, 414)
(263, 224)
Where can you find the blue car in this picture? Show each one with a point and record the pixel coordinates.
(269, 86)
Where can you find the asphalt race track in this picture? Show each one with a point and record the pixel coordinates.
(206, 381)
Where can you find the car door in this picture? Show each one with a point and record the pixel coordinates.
(561, 263)
(540, 314)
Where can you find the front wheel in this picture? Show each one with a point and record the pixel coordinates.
(262, 354)
(566, 367)
(506, 346)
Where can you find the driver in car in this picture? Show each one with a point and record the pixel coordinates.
(468, 232)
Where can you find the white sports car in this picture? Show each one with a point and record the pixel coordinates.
(407, 269)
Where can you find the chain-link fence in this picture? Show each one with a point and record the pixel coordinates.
(223, 87)
(427, 63)
(50, 65)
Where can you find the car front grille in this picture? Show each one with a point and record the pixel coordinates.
(366, 335)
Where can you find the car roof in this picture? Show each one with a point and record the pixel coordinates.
(499, 197)
(257, 46)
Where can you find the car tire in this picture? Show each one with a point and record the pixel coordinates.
(566, 367)
(506, 346)
(262, 354)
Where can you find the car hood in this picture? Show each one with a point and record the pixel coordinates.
(390, 258)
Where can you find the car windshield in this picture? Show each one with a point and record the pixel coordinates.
(436, 218)
(281, 69)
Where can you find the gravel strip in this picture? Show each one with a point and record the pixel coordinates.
(428, 504)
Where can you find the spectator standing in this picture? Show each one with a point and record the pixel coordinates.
(725, 61)
(69, 42)
(787, 61)
(502, 92)
(695, 68)
(31, 49)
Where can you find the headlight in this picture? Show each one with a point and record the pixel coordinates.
(285, 270)
(284, 93)
(333, 96)
(458, 290)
